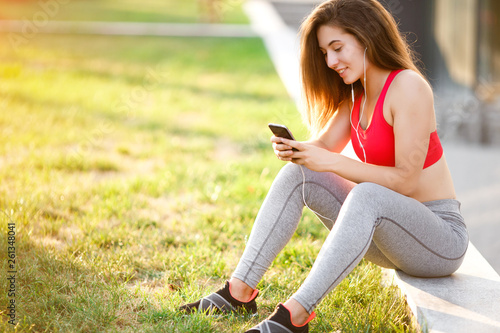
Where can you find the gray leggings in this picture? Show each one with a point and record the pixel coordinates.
(391, 230)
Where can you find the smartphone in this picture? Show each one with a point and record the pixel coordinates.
(282, 131)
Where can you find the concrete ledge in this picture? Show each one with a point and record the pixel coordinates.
(467, 301)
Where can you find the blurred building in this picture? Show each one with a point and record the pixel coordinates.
(458, 42)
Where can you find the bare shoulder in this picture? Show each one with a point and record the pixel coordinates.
(409, 85)
(411, 93)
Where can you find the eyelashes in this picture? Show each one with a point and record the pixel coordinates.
(338, 49)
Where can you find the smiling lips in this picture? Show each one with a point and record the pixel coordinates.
(341, 71)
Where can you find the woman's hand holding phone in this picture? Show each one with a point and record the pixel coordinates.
(309, 154)
(282, 150)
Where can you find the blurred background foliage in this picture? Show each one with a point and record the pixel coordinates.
(175, 11)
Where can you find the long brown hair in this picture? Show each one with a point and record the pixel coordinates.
(376, 29)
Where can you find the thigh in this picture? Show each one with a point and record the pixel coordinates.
(409, 234)
(324, 193)
(378, 257)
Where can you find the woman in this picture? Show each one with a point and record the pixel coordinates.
(395, 207)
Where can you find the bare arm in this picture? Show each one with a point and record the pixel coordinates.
(333, 138)
(336, 134)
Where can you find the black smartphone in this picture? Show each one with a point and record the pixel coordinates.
(282, 131)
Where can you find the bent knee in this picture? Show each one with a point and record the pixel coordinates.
(290, 171)
(369, 190)
(290, 175)
(291, 168)
(371, 194)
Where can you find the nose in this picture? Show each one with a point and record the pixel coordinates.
(331, 60)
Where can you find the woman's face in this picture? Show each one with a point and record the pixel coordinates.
(343, 52)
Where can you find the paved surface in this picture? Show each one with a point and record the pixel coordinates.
(475, 169)
(293, 12)
(476, 173)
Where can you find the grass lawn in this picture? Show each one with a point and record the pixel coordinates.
(186, 11)
(132, 170)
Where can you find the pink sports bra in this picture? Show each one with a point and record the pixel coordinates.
(378, 138)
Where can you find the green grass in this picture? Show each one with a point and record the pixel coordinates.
(190, 11)
(133, 169)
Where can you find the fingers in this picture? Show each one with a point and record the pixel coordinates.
(281, 147)
(292, 143)
(284, 153)
(274, 138)
(286, 144)
(283, 150)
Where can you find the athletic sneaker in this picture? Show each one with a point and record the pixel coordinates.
(281, 322)
(222, 302)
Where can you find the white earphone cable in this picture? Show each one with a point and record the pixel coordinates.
(360, 115)
(304, 197)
